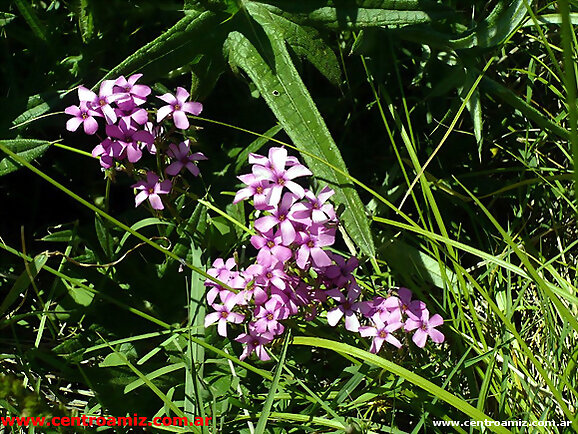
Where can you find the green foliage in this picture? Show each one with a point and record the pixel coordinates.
(448, 131)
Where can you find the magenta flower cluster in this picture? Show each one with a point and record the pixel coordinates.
(131, 130)
(296, 276)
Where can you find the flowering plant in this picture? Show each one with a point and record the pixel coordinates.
(296, 275)
(130, 129)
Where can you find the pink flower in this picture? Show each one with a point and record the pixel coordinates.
(311, 243)
(102, 101)
(224, 313)
(178, 106)
(348, 307)
(130, 139)
(129, 91)
(381, 333)
(424, 327)
(274, 171)
(255, 341)
(315, 209)
(269, 315)
(151, 189)
(270, 248)
(108, 151)
(183, 159)
(280, 216)
(83, 114)
(256, 188)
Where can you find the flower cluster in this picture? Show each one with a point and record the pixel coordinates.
(294, 275)
(130, 132)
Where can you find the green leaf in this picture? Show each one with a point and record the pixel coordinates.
(499, 91)
(262, 424)
(37, 105)
(257, 144)
(284, 91)
(155, 374)
(189, 30)
(23, 282)
(31, 19)
(338, 15)
(105, 238)
(5, 18)
(406, 374)
(307, 43)
(493, 31)
(27, 149)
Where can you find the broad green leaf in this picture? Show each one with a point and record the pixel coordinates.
(402, 372)
(337, 15)
(308, 43)
(284, 91)
(27, 149)
(189, 30)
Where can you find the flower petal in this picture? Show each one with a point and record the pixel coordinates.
(181, 120)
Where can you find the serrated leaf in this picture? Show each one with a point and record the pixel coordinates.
(337, 15)
(288, 98)
(28, 149)
(307, 43)
(37, 105)
(189, 30)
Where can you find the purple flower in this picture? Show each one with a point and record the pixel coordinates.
(130, 139)
(129, 91)
(315, 209)
(424, 326)
(183, 159)
(102, 101)
(256, 188)
(280, 216)
(311, 243)
(381, 333)
(280, 178)
(108, 151)
(224, 313)
(151, 189)
(406, 304)
(340, 273)
(269, 315)
(83, 114)
(270, 247)
(348, 307)
(255, 341)
(178, 106)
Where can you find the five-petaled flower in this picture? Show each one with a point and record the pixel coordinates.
(178, 106)
(183, 159)
(151, 189)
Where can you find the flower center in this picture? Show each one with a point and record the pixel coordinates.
(255, 343)
(177, 107)
(424, 327)
(102, 102)
(281, 181)
(259, 190)
(383, 334)
(270, 317)
(282, 217)
(84, 115)
(269, 275)
(270, 244)
(127, 88)
(224, 314)
(346, 305)
(151, 190)
(310, 244)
